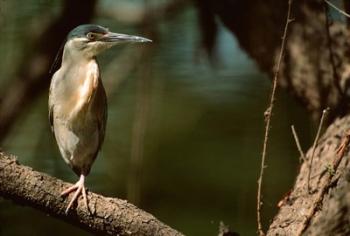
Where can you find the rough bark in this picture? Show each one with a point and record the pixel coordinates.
(108, 216)
(325, 210)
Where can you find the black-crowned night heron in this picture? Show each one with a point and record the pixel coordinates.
(77, 100)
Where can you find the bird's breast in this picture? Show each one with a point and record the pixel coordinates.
(75, 91)
(87, 87)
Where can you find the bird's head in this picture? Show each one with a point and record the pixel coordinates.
(90, 40)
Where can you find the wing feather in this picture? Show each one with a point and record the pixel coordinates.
(101, 112)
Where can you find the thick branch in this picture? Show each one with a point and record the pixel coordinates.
(109, 216)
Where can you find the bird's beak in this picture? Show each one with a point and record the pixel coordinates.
(120, 38)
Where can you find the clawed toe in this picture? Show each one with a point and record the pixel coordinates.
(79, 188)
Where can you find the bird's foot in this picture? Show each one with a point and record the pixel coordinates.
(79, 188)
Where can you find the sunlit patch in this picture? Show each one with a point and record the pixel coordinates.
(88, 86)
(79, 40)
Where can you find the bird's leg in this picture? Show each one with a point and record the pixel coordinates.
(79, 188)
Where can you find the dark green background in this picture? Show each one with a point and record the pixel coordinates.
(203, 139)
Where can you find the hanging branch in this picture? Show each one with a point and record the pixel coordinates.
(268, 115)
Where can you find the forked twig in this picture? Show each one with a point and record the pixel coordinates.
(268, 115)
(320, 125)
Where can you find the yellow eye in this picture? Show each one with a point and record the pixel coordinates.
(91, 36)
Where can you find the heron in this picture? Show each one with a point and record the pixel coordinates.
(78, 102)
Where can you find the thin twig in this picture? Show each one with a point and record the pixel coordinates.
(301, 153)
(314, 146)
(336, 8)
(268, 115)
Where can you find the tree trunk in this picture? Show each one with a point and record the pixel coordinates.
(324, 209)
(316, 70)
(108, 216)
(316, 66)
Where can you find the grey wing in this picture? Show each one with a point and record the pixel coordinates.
(101, 112)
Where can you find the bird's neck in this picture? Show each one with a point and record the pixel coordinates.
(77, 67)
(76, 58)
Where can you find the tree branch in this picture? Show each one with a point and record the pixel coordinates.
(108, 216)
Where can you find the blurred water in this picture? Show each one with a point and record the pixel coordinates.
(203, 137)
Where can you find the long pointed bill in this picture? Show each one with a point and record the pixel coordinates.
(120, 38)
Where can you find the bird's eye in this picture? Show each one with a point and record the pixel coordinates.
(91, 36)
